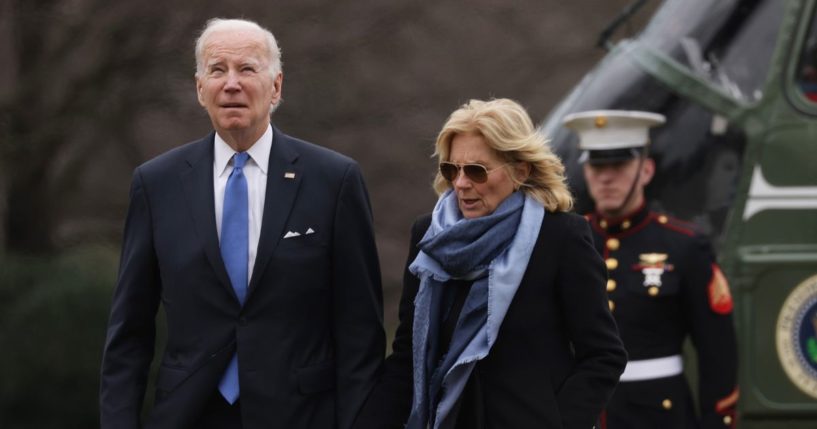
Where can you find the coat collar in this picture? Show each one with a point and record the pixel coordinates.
(619, 225)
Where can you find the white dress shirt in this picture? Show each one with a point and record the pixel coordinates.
(255, 170)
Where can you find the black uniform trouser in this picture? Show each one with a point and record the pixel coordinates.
(643, 405)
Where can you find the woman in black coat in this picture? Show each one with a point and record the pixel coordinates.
(504, 320)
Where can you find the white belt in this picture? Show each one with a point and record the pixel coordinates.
(649, 369)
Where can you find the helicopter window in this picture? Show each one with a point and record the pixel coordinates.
(742, 51)
(728, 42)
(806, 75)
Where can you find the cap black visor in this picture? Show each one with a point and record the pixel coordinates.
(611, 156)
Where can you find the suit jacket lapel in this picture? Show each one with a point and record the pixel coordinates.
(197, 182)
(283, 180)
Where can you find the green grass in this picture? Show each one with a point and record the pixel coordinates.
(53, 315)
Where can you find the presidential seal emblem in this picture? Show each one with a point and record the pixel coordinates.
(797, 336)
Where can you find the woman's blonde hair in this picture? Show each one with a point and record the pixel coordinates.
(506, 128)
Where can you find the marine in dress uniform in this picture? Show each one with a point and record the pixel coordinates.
(664, 285)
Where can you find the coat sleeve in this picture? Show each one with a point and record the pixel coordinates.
(598, 351)
(713, 335)
(389, 404)
(357, 299)
(131, 328)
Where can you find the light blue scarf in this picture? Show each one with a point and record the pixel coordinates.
(492, 251)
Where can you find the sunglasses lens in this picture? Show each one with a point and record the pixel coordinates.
(449, 171)
(476, 172)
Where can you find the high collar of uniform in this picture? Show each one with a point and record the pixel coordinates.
(617, 225)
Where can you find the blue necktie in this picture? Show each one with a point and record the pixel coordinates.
(235, 238)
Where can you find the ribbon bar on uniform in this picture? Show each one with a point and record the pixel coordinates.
(648, 369)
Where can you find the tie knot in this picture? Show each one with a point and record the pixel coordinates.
(239, 159)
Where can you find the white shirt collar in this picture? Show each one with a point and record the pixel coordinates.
(259, 152)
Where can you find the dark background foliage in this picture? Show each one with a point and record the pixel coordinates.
(89, 89)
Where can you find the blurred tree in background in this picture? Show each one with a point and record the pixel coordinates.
(78, 73)
(89, 89)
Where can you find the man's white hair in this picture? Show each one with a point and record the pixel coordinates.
(220, 24)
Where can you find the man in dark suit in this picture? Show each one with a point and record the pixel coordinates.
(261, 250)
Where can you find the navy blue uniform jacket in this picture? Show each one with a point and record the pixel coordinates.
(686, 297)
(310, 335)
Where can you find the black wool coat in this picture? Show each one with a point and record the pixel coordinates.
(558, 355)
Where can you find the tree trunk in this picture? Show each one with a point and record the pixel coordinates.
(30, 215)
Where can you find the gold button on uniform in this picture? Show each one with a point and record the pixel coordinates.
(727, 420)
(626, 224)
(653, 291)
(667, 404)
(612, 263)
(613, 243)
(611, 285)
(662, 219)
(611, 304)
(603, 224)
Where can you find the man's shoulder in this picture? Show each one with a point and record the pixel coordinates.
(190, 152)
(675, 227)
(682, 236)
(312, 152)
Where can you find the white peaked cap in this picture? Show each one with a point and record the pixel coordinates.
(612, 129)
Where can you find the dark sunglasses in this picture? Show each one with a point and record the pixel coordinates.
(477, 173)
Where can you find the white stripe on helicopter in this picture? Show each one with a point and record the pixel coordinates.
(764, 196)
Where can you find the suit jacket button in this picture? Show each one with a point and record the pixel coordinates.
(242, 321)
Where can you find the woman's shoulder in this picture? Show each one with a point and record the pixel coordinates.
(419, 227)
(553, 222)
(423, 221)
(565, 222)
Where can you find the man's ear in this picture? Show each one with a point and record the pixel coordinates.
(277, 86)
(199, 90)
(647, 171)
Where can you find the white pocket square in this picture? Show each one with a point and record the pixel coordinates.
(291, 234)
